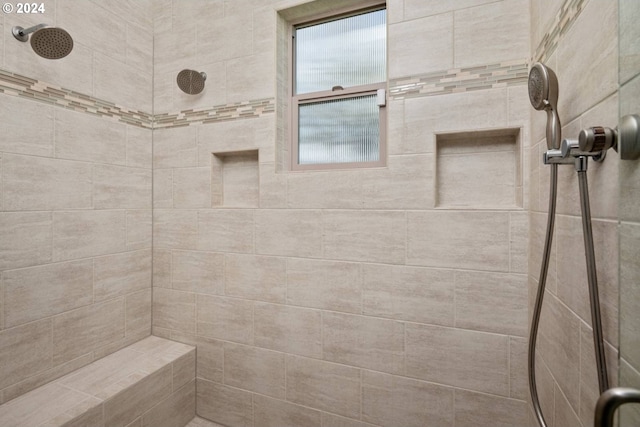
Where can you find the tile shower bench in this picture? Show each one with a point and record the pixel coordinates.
(149, 383)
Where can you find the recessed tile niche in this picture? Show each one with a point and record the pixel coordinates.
(235, 179)
(479, 169)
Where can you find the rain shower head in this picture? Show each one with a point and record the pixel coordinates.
(543, 94)
(48, 42)
(191, 82)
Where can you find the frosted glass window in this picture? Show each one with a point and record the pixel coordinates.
(339, 96)
(339, 131)
(345, 52)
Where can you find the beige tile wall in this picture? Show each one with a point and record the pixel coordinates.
(629, 213)
(319, 301)
(75, 218)
(566, 363)
(316, 304)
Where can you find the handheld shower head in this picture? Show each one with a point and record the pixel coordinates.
(543, 94)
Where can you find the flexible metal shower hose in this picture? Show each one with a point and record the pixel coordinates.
(535, 321)
(592, 277)
(603, 381)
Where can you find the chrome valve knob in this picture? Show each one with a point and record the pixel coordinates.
(596, 139)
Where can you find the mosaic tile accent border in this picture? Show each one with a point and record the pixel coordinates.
(458, 80)
(219, 113)
(25, 87)
(565, 18)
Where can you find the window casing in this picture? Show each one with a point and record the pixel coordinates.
(339, 91)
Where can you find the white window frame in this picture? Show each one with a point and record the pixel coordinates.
(379, 89)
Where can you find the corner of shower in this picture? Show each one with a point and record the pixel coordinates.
(592, 143)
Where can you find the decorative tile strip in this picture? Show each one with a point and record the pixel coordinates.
(218, 113)
(24, 87)
(457, 80)
(568, 14)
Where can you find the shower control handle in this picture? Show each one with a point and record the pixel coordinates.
(625, 138)
(596, 139)
(628, 135)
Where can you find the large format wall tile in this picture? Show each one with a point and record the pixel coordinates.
(560, 347)
(139, 229)
(457, 357)
(174, 310)
(87, 233)
(118, 187)
(373, 236)
(192, 187)
(24, 351)
(201, 272)
(210, 360)
(476, 409)
(37, 183)
(364, 341)
(226, 230)
(293, 233)
(137, 399)
(176, 410)
(138, 313)
(278, 413)
(226, 405)
(332, 190)
(84, 137)
(26, 239)
(255, 277)
(18, 134)
(391, 400)
(492, 32)
(118, 82)
(288, 329)
(254, 369)
(120, 274)
(407, 183)
(175, 229)
(431, 48)
(583, 89)
(38, 292)
(519, 381)
(175, 148)
(409, 293)
(325, 386)
(85, 329)
(228, 319)
(470, 240)
(506, 294)
(329, 285)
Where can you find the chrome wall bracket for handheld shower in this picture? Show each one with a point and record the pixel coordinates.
(595, 141)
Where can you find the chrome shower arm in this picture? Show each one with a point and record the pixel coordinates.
(22, 34)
